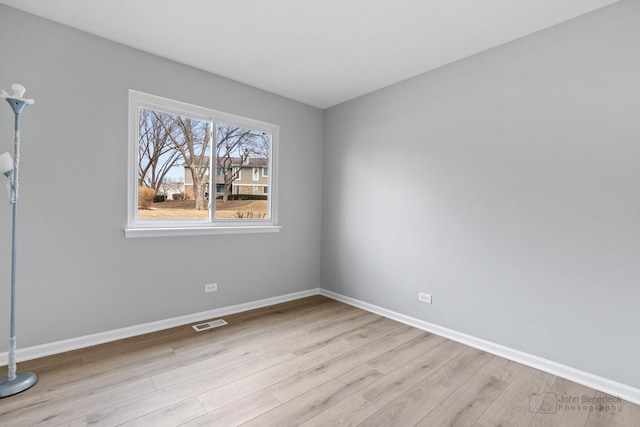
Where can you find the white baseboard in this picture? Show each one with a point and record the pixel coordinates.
(587, 379)
(605, 385)
(57, 347)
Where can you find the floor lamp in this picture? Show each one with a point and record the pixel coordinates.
(14, 383)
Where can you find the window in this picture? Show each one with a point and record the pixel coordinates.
(172, 148)
(265, 172)
(265, 190)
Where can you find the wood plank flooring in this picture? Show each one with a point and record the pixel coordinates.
(309, 362)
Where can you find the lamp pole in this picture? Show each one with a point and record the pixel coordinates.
(15, 382)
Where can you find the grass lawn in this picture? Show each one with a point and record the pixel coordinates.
(185, 209)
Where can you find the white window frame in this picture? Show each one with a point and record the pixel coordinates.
(144, 227)
(256, 174)
(265, 175)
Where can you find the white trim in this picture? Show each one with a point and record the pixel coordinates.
(57, 347)
(199, 231)
(605, 385)
(254, 172)
(587, 379)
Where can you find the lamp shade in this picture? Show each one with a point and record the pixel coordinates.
(6, 163)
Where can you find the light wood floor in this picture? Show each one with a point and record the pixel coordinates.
(311, 362)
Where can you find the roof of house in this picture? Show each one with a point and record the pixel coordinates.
(237, 161)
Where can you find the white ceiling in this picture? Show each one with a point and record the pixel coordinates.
(320, 52)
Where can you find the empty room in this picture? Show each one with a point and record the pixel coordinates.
(299, 213)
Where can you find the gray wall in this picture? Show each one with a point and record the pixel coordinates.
(77, 274)
(508, 186)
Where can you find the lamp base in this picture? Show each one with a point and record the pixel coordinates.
(23, 381)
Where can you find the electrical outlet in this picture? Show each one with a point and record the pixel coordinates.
(426, 298)
(211, 287)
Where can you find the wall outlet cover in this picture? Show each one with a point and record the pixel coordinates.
(426, 298)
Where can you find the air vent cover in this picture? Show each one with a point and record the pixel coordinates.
(209, 325)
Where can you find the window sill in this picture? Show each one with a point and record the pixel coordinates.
(197, 231)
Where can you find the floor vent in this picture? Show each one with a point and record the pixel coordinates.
(209, 325)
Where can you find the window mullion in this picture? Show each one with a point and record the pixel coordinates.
(213, 169)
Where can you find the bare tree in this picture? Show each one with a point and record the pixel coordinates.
(234, 147)
(190, 138)
(168, 184)
(157, 154)
(167, 138)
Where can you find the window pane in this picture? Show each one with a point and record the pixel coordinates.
(173, 165)
(241, 153)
